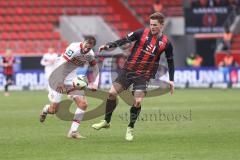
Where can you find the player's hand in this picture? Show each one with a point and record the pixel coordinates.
(92, 87)
(171, 85)
(102, 48)
(61, 88)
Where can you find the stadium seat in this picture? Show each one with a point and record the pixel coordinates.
(144, 8)
(25, 24)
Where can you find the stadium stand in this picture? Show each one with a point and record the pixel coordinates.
(31, 26)
(143, 8)
(235, 51)
(235, 43)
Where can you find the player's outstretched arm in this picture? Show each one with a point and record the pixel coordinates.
(171, 68)
(108, 46)
(133, 36)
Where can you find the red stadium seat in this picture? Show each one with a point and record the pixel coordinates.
(56, 35)
(7, 27)
(2, 20)
(3, 4)
(16, 27)
(25, 19)
(25, 24)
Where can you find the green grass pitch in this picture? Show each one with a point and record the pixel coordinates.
(193, 124)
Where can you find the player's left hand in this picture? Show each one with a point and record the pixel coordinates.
(92, 87)
(61, 88)
(171, 85)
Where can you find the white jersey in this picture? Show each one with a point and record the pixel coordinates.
(65, 69)
(48, 60)
(75, 58)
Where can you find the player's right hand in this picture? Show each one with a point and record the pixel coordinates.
(61, 88)
(102, 48)
(171, 85)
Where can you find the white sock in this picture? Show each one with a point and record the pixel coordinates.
(45, 109)
(77, 119)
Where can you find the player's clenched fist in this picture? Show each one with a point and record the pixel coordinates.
(108, 47)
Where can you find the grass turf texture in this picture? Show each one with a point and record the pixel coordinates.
(198, 125)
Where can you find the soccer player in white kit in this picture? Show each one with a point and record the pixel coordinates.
(48, 60)
(76, 55)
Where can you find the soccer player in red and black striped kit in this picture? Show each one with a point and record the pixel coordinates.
(7, 62)
(141, 66)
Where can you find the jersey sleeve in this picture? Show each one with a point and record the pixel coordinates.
(133, 36)
(92, 59)
(69, 53)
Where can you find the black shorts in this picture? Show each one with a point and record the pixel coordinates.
(9, 77)
(126, 78)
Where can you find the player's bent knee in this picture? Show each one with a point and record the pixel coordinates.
(81, 104)
(53, 108)
(82, 107)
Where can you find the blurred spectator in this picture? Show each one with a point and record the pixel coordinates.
(48, 61)
(194, 60)
(7, 63)
(189, 60)
(194, 3)
(157, 6)
(203, 3)
(225, 66)
(233, 6)
(228, 61)
(215, 3)
(227, 38)
(232, 2)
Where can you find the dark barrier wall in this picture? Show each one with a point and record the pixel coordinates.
(206, 49)
(28, 63)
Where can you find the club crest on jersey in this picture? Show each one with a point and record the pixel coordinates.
(69, 53)
(160, 43)
(149, 47)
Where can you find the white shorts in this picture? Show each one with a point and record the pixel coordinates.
(55, 97)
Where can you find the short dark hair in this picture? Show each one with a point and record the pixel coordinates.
(90, 40)
(158, 16)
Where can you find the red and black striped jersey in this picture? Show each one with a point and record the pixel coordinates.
(145, 55)
(8, 65)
